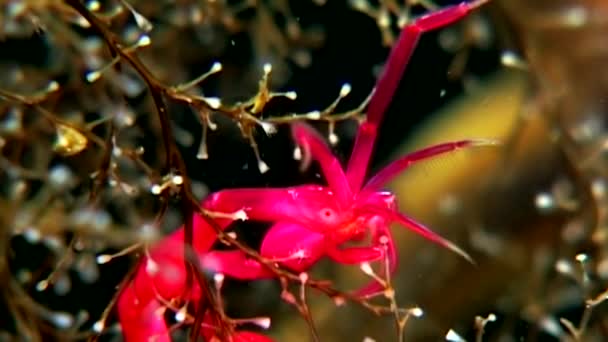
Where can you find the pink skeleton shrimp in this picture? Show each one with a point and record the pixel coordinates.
(308, 221)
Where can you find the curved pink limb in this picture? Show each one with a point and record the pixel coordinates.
(141, 305)
(259, 204)
(248, 336)
(141, 321)
(313, 145)
(235, 264)
(394, 168)
(388, 82)
(293, 245)
(311, 206)
(160, 277)
(355, 255)
(431, 235)
(420, 229)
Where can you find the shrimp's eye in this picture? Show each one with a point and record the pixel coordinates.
(327, 214)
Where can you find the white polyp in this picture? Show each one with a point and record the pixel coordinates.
(267, 68)
(151, 267)
(368, 339)
(141, 21)
(212, 126)
(263, 167)
(367, 269)
(99, 326)
(103, 258)
(93, 5)
(116, 151)
(582, 257)
(216, 67)
(292, 95)
(144, 40)
(403, 19)
(314, 115)
(202, 150)
(297, 153)
(213, 102)
(416, 312)
(180, 315)
(218, 278)
(42, 285)
(453, 336)
(491, 317)
(544, 201)
(299, 254)
(240, 215)
(32, 235)
(510, 59)
(345, 90)
(92, 76)
(156, 189)
(82, 22)
(333, 138)
(551, 326)
(52, 86)
(303, 277)
(232, 235)
(268, 128)
(177, 180)
(384, 20)
(262, 322)
(339, 300)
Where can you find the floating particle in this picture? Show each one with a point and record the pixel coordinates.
(453, 336)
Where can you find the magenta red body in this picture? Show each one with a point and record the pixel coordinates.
(308, 222)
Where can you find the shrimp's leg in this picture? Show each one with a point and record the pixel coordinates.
(388, 82)
(288, 244)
